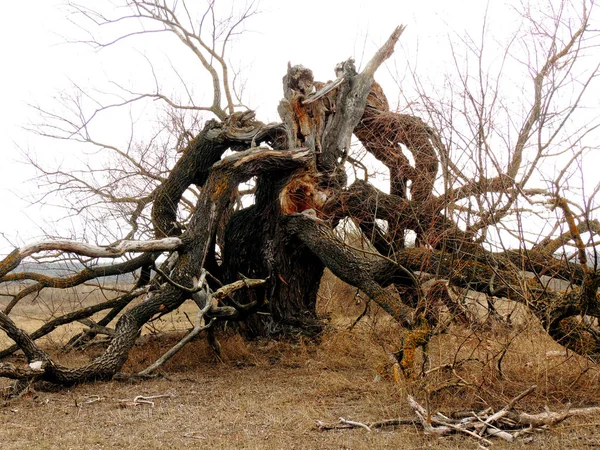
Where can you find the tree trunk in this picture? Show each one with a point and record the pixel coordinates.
(258, 246)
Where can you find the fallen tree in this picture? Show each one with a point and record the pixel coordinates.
(281, 243)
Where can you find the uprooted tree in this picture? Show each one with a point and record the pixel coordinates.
(256, 260)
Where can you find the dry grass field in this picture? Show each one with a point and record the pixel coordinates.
(269, 395)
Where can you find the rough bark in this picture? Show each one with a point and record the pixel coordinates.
(350, 265)
(257, 246)
(239, 131)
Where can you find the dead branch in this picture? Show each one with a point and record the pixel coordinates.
(108, 251)
(115, 250)
(354, 424)
(504, 424)
(199, 325)
(504, 411)
(322, 426)
(207, 302)
(89, 399)
(544, 419)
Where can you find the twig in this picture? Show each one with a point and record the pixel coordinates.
(142, 400)
(421, 413)
(463, 430)
(504, 411)
(192, 435)
(90, 399)
(322, 426)
(356, 424)
(152, 397)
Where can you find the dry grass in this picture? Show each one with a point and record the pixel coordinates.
(268, 395)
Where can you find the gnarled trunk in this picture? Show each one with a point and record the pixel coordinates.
(258, 246)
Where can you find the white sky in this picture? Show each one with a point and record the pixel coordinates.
(315, 33)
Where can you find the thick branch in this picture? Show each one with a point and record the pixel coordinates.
(238, 132)
(349, 264)
(351, 101)
(116, 250)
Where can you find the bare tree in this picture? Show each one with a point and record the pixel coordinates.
(453, 183)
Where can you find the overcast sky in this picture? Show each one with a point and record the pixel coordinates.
(316, 33)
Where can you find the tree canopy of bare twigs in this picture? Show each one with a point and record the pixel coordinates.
(243, 217)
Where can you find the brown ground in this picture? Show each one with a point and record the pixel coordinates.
(268, 395)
